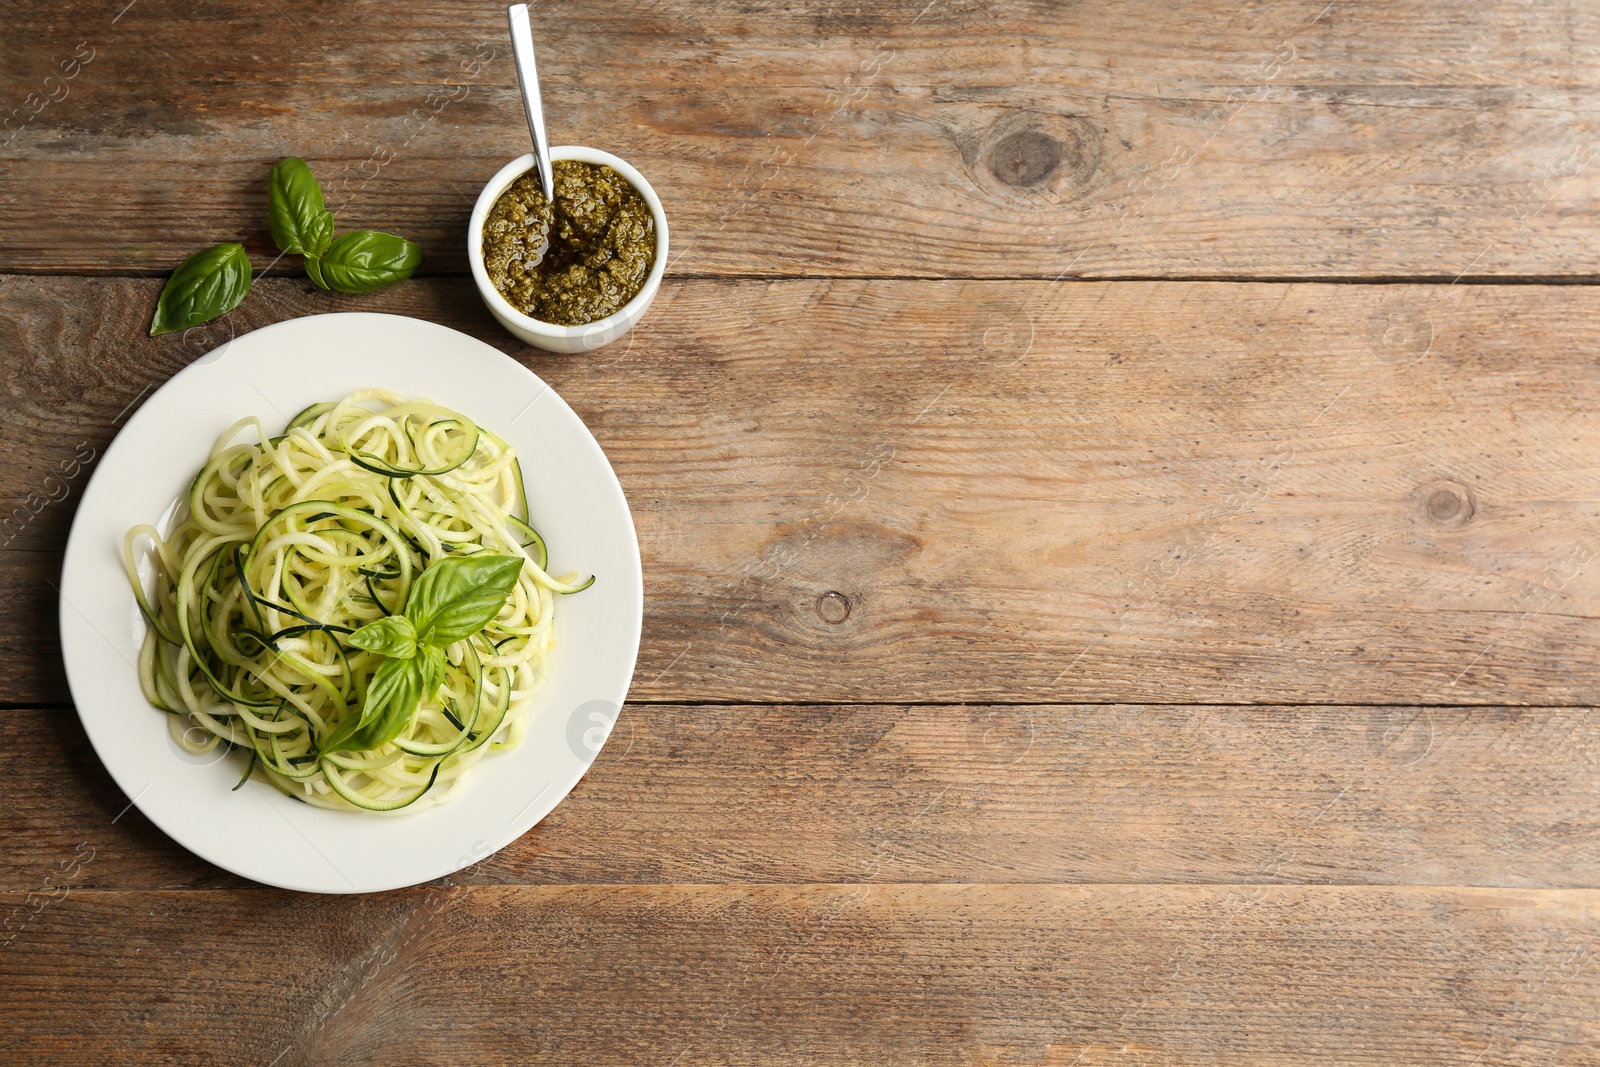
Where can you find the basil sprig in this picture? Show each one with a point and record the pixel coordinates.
(213, 282)
(363, 261)
(300, 221)
(205, 285)
(451, 601)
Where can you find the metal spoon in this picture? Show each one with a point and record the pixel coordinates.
(528, 75)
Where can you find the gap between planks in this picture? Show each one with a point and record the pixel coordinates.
(1197, 279)
(33, 705)
(1374, 888)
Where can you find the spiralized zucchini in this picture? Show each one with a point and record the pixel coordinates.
(289, 545)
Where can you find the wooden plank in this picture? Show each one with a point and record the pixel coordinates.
(1061, 975)
(1009, 492)
(957, 138)
(1482, 796)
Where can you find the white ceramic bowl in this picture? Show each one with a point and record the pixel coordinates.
(548, 335)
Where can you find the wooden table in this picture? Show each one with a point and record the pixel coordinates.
(1119, 487)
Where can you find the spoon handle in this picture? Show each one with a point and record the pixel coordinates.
(528, 75)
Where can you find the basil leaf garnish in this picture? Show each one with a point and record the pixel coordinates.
(391, 636)
(450, 601)
(433, 663)
(458, 596)
(205, 285)
(301, 223)
(393, 695)
(366, 260)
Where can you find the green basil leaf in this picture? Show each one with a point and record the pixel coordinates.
(366, 260)
(458, 596)
(393, 696)
(300, 221)
(314, 272)
(433, 664)
(392, 636)
(205, 285)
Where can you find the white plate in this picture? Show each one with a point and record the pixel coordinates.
(275, 372)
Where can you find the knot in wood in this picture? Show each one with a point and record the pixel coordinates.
(1444, 502)
(834, 607)
(1025, 158)
(1036, 158)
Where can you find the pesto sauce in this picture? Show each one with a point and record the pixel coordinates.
(580, 265)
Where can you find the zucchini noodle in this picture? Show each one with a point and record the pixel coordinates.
(288, 545)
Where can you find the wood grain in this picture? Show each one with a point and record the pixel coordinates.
(880, 491)
(698, 794)
(821, 975)
(1080, 673)
(953, 138)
